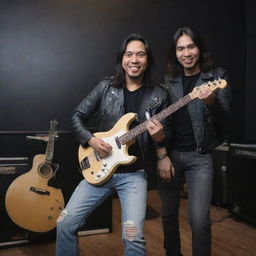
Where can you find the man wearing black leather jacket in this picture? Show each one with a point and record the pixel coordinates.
(196, 129)
(132, 89)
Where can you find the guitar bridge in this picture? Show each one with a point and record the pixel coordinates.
(39, 191)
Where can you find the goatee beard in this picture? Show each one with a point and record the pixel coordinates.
(135, 77)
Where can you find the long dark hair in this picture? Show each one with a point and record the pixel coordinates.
(174, 68)
(119, 77)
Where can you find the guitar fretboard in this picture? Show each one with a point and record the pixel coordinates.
(134, 132)
(50, 144)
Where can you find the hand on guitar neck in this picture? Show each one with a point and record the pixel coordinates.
(206, 95)
(155, 130)
(100, 146)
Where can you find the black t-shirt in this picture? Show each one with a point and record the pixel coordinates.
(183, 138)
(132, 99)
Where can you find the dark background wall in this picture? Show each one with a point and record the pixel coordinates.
(52, 52)
(250, 106)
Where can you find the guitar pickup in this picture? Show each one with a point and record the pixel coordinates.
(118, 142)
(39, 191)
(85, 163)
(97, 156)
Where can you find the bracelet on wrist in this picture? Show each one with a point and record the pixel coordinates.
(160, 157)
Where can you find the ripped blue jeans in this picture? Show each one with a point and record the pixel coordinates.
(132, 192)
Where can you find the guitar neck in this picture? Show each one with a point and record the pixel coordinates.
(50, 144)
(49, 150)
(134, 132)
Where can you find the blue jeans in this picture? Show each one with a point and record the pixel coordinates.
(198, 171)
(132, 191)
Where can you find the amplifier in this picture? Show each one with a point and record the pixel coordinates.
(10, 169)
(220, 193)
(242, 178)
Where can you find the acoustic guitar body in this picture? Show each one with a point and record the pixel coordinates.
(30, 202)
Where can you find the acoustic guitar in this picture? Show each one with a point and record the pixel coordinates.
(97, 170)
(30, 201)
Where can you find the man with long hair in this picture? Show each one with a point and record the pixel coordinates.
(196, 130)
(131, 89)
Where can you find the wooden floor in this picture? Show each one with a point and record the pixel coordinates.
(230, 238)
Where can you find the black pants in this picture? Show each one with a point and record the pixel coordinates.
(198, 171)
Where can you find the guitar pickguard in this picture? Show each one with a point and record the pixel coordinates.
(99, 170)
(116, 157)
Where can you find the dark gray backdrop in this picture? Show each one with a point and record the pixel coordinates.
(52, 52)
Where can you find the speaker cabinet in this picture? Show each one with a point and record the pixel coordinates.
(242, 177)
(220, 191)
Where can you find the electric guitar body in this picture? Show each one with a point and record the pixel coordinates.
(97, 170)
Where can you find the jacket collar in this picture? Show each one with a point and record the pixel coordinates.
(176, 82)
(118, 93)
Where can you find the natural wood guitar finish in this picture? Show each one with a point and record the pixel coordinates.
(30, 202)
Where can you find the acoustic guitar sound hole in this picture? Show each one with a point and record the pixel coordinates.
(45, 170)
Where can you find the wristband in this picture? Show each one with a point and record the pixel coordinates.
(160, 157)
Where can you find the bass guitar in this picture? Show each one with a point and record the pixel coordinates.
(97, 170)
(30, 201)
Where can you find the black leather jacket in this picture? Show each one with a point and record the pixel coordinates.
(210, 124)
(105, 104)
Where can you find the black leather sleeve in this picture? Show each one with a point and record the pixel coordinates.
(84, 111)
(221, 108)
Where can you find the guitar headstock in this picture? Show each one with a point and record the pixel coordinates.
(213, 85)
(53, 126)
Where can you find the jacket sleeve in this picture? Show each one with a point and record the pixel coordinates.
(221, 108)
(166, 102)
(168, 121)
(83, 113)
